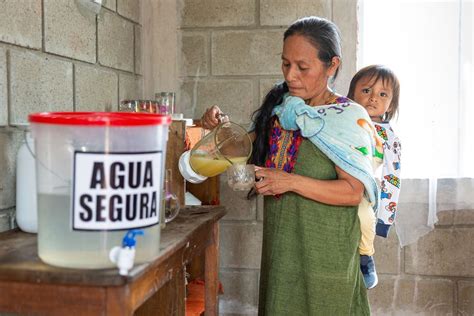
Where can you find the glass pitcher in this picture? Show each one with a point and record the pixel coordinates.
(227, 144)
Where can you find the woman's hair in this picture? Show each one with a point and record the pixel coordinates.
(324, 36)
(379, 72)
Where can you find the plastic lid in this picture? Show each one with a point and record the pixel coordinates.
(99, 118)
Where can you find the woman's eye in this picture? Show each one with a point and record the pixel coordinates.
(302, 68)
(286, 65)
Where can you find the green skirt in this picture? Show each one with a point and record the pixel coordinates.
(310, 259)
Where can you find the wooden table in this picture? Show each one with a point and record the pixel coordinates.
(28, 286)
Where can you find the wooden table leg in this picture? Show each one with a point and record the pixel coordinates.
(168, 301)
(117, 302)
(211, 273)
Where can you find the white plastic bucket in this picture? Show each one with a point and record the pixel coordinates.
(99, 175)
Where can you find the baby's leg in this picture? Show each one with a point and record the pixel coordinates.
(367, 227)
(366, 245)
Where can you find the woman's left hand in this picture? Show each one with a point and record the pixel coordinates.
(272, 181)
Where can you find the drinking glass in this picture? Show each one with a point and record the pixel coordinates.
(241, 177)
(128, 106)
(166, 102)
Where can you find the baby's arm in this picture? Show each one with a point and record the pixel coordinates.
(390, 186)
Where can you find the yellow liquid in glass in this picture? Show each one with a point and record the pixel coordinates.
(210, 167)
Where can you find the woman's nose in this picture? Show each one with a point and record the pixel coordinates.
(290, 75)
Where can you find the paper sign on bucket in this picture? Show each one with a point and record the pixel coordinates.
(116, 191)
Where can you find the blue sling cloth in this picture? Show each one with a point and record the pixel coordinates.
(342, 131)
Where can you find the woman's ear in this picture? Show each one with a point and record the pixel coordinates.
(335, 63)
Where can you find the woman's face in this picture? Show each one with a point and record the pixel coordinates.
(374, 96)
(306, 75)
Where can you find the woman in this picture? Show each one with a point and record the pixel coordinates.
(311, 232)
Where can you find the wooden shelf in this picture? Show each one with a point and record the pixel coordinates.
(27, 285)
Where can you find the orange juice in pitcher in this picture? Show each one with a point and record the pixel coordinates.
(210, 167)
(227, 144)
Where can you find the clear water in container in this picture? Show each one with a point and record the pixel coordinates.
(59, 245)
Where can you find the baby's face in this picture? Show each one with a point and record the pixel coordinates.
(374, 96)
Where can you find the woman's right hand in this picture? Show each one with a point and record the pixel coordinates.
(212, 117)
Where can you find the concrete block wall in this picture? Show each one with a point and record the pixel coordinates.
(435, 275)
(55, 55)
(230, 56)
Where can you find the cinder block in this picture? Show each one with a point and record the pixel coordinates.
(454, 200)
(96, 89)
(20, 23)
(387, 253)
(344, 15)
(284, 12)
(455, 194)
(412, 221)
(266, 85)
(111, 4)
(212, 13)
(458, 217)
(445, 218)
(446, 252)
(194, 54)
(414, 191)
(412, 296)
(463, 217)
(115, 42)
(237, 205)
(10, 141)
(129, 9)
(140, 87)
(256, 52)
(234, 97)
(138, 50)
(38, 83)
(413, 210)
(4, 221)
(129, 87)
(3, 88)
(465, 297)
(68, 31)
(240, 245)
(240, 292)
(260, 208)
(382, 297)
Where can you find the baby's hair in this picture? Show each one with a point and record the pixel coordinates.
(388, 77)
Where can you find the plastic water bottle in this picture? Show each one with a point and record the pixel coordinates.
(26, 205)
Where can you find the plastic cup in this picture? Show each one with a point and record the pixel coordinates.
(241, 177)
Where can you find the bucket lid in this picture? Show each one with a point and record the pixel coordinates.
(99, 118)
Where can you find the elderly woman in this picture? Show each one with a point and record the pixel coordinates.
(311, 232)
